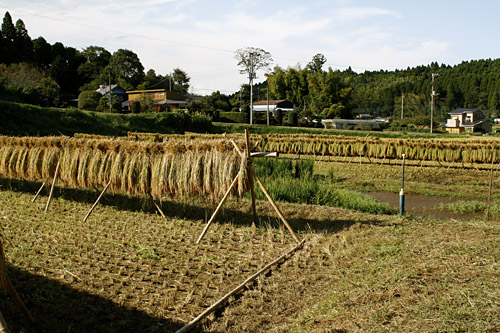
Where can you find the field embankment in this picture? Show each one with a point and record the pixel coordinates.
(29, 120)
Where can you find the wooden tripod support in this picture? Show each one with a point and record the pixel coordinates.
(251, 177)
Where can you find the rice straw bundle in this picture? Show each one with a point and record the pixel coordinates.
(203, 169)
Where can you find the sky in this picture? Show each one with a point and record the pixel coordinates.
(201, 36)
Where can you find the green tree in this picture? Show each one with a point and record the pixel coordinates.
(96, 60)
(42, 53)
(23, 44)
(316, 65)
(126, 69)
(9, 36)
(180, 81)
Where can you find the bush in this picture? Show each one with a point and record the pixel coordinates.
(88, 100)
(278, 115)
(136, 107)
(234, 117)
(292, 118)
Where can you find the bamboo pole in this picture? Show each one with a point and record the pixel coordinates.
(158, 208)
(237, 148)
(52, 187)
(250, 178)
(15, 296)
(214, 215)
(96, 202)
(220, 302)
(3, 324)
(274, 205)
(38, 192)
(491, 184)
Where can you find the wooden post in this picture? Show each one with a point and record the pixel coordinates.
(491, 184)
(38, 192)
(250, 178)
(52, 187)
(274, 205)
(220, 302)
(158, 207)
(217, 209)
(3, 324)
(96, 202)
(13, 293)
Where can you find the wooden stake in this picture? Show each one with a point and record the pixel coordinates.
(38, 192)
(237, 148)
(3, 324)
(52, 187)
(491, 184)
(274, 205)
(13, 293)
(220, 302)
(217, 209)
(96, 202)
(158, 207)
(250, 178)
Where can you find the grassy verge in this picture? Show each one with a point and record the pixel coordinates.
(23, 119)
(295, 182)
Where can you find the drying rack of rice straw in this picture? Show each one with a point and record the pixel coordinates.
(7, 285)
(247, 156)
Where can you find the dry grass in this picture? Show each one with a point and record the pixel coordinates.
(132, 271)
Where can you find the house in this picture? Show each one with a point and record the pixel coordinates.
(468, 120)
(350, 124)
(158, 99)
(274, 105)
(115, 90)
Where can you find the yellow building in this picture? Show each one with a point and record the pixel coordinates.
(157, 99)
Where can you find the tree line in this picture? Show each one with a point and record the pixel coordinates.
(37, 72)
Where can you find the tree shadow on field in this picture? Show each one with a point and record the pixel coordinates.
(235, 212)
(56, 307)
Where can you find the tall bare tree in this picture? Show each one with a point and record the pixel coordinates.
(251, 59)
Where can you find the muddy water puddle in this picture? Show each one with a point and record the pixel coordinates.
(424, 206)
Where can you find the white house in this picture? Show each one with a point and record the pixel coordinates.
(281, 104)
(470, 120)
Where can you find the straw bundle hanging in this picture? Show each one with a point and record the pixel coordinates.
(202, 169)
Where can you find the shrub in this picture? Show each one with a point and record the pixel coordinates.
(88, 100)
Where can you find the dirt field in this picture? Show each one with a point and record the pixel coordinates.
(129, 270)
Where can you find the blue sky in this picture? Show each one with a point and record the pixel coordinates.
(201, 36)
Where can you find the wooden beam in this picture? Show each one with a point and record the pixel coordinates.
(250, 178)
(96, 202)
(38, 192)
(214, 215)
(285, 222)
(240, 287)
(52, 187)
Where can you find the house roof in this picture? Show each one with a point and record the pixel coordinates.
(461, 111)
(103, 90)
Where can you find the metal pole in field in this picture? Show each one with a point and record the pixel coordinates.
(402, 192)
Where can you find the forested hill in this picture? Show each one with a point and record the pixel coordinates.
(471, 84)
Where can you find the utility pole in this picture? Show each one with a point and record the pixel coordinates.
(267, 103)
(251, 75)
(432, 99)
(402, 104)
(110, 91)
